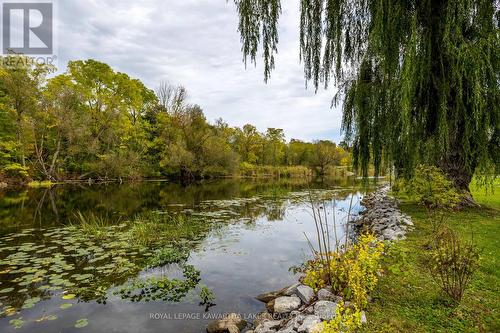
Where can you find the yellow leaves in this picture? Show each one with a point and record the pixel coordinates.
(10, 311)
(353, 273)
(346, 320)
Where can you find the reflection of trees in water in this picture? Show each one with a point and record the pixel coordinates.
(57, 205)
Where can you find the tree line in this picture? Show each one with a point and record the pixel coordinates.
(94, 122)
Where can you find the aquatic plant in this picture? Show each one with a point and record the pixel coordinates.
(92, 224)
(162, 228)
(207, 297)
(167, 255)
(161, 288)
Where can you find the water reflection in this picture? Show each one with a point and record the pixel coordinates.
(246, 237)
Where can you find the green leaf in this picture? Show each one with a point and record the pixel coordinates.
(17, 323)
(80, 323)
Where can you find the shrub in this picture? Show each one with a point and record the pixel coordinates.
(346, 320)
(16, 171)
(430, 188)
(352, 274)
(453, 262)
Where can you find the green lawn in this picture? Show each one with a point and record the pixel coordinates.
(407, 299)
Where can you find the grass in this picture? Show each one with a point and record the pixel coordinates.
(92, 224)
(155, 228)
(408, 300)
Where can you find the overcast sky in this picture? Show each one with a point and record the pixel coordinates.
(195, 43)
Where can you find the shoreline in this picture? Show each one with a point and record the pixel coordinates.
(298, 308)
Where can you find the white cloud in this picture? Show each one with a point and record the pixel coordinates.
(195, 43)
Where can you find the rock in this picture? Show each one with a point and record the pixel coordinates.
(286, 330)
(267, 297)
(285, 304)
(363, 318)
(270, 305)
(289, 291)
(383, 217)
(268, 326)
(262, 317)
(309, 324)
(325, 309)
(326, 295)
(232, 324)
(295, 322)
(305, 293)
(262, 329)
(309, 310)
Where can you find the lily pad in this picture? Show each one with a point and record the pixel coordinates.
(17, 323)
(6, 290)
(69, 296)
(80, 323)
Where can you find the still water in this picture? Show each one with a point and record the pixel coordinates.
(241, 239)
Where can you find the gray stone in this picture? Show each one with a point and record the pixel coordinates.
(295, 322)
(287, 330)
(308, 324)
(325, 309)
(327, 295)
(305, 293)
(363, 318)
(268, 326)
(286, 304)
(289, 291)
(309, 310)
(262, 317)
(232, 323)
(263, 329)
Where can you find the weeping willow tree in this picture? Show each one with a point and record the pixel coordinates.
(419, 79)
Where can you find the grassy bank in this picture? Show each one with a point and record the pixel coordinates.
(407, 299)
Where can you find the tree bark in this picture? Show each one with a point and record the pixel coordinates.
(457, 171)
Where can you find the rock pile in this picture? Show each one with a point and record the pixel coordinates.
(383, 217)
(294, 309)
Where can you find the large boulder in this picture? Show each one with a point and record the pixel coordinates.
(305, 293)
(285, 304)
(326, 310)
(232, 323)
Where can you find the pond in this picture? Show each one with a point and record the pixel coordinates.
(155, 256)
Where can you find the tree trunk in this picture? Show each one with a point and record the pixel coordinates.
(457, 171)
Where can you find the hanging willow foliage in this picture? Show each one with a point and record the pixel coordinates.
(419, 79)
